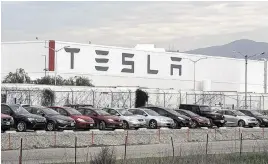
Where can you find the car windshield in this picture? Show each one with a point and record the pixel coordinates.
(189, 112)
(173, 112)
(49, 111)
(151, 112)
(238, 113)
(18, 109)
(256, 113)
(72, 111)
(102, 113)
(125, 112)
(205, 109)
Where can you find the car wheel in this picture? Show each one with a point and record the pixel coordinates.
(176, 125)
(125, 125)
(259, 123)
(50, 126)
(194, 124)
(153, 124)
(102, 125)
(21, 126)
(241, 123)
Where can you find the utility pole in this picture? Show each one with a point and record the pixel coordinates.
(45, 69)
(246, 73)
(265, 75)
(56, 65)
(195, 61)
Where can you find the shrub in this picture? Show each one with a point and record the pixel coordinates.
(106, 156)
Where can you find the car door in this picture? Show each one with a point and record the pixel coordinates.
(93, 115)
(144, 115)
(231, 118)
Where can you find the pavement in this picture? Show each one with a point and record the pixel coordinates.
(63, 155)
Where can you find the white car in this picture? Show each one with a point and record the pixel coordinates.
(153, 119)
(129, 119)
(237, 118)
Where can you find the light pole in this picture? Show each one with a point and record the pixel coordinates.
(56, 65)
(246, 72)
(195, 61)
(265, 75)
(45, 65)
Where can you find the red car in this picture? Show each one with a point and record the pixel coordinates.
(6, 122)
(102, 119)
(82, 121)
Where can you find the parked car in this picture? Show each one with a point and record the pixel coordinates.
(237, 118)
(82, 121)
(264, 112)
(262, 119)
(205, 111)
(55, 121)
(23, 119)
(101, 118)
(129, 119)
(153, 119)
(7, 122)
(197, 121)
(179, 120)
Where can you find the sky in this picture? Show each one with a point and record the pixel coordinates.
(172, 25)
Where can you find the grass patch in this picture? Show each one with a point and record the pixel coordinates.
(107, 157)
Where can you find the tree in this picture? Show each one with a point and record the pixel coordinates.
(141, 98)
(82, 81)
(20, 76)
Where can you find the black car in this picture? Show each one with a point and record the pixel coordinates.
(179, 120)
(205, 111)
(262, 119)
(23, 120)
(55, 121)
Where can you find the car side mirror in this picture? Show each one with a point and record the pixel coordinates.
(117, 114)
(95, 114)
(145, 115)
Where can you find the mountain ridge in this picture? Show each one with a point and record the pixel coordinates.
(244, 46)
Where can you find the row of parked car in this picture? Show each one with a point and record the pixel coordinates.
(24, 117)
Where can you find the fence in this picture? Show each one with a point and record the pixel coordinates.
(79, 146)
(125, 97)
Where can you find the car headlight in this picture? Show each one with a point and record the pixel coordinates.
(61, 121)
(265, 119)
(111, 120)
(80, 120)
(181, 118)
(31, 119)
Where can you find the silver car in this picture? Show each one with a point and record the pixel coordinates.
(153, 119)
(129, 119)
(237, 118)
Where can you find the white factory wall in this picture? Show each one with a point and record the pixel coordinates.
(225, 74)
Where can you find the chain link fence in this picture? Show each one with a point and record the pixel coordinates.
(64, 147)
(125, 97)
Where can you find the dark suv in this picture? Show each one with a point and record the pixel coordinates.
(22, 118)
(179, 120)
(205, 111)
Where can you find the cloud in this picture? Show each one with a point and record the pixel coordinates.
(130, 23)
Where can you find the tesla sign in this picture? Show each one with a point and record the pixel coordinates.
(120, 62)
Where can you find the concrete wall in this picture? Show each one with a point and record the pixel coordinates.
(34, 140)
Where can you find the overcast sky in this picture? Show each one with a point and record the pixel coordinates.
(182, 25)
